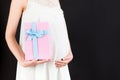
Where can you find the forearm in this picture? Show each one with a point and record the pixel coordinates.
(16, 9)
(14, 47)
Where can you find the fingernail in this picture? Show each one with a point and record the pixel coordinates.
(49, 60)
(62, 59)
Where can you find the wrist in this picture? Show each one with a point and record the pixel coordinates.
(21, 59)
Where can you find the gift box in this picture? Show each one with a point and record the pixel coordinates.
(37, 41)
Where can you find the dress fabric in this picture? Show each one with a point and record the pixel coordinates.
(59, 40)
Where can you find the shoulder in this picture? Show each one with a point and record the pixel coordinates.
(20, 3)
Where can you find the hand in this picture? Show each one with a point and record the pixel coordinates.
(64, 61)
(32, 62)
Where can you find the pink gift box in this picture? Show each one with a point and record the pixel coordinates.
(37, 41)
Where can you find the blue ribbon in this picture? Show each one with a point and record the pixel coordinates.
(33, 34)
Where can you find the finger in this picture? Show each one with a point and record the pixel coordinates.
(61, 62)
(30, 61)
(60, 65)
(57, 63)
(33, 62)
(42, 61)
(65, 58)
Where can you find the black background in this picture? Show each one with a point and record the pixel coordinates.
(94, 32)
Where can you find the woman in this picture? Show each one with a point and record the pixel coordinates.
(40, 11)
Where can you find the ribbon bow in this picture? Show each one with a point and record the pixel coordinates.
(33, 34)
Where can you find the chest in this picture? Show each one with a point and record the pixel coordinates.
(50, 3)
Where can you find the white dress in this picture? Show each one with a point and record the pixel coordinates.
(60, 42)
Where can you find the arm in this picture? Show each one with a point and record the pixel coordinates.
(16, 8)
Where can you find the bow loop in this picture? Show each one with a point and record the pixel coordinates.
(31, 34)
